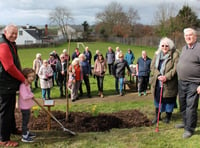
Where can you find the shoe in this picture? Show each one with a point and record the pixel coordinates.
(166, 120)
(99, 93)
(139, 94)
(73, 100)
(181, 125)
(187, 134)
(31, 135)
(145, 94)
(101, 96)
(120, 94)
(26, 139)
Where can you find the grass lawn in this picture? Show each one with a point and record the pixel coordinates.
(140, 137)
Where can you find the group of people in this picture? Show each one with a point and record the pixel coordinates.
(171, 72)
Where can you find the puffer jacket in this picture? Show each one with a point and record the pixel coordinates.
(170, 87)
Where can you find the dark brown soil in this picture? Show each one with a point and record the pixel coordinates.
(85, 122)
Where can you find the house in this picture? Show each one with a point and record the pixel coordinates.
(29, 35)
(73, 33)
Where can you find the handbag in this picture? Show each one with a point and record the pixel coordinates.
(97, 73)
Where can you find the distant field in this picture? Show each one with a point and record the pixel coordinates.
(27, 55)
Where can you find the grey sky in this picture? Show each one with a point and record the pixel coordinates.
(36, 12)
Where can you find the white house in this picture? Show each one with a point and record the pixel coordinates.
(71, 32)
(27, 36)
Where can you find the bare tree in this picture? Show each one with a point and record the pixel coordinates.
(114, 21)
(60, 16)
(164, 19)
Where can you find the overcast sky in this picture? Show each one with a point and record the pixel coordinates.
(36, 12)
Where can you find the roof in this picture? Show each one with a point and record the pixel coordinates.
(34, 31)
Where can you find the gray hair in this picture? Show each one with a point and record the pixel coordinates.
(38, 55)
(168, 41)
(10, 26)
(189, 29)
(82, 55)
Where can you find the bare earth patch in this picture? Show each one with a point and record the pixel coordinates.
(85, 122)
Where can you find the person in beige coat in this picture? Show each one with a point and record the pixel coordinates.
(163, 72)
(45, 75)
(37, 63)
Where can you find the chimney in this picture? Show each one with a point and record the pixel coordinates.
(46, 30)
(27, 26)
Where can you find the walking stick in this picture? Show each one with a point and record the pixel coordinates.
(158, 116)
(67, 77)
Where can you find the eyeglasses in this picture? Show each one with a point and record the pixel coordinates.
(62, 57)
(164, 45)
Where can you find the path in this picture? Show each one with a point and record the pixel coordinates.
(112, 98)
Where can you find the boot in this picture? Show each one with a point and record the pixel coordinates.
(168, 117)
(154, 121)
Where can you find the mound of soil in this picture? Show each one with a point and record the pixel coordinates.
(85, 122)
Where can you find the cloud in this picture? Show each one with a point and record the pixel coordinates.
(36, 12)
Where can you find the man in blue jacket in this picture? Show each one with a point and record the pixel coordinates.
(143, 72)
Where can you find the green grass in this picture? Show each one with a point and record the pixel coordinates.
(28, 55)
(141, 137)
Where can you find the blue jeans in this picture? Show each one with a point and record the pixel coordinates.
(119, 83)
(100, 83)
(46, 92)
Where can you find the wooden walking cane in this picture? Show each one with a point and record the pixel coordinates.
(67, 77)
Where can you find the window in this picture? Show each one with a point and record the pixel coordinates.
(20, 33)
(28, 42)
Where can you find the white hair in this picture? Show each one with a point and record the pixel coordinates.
(167, 41)
(82, 55)
(191, 30)
(64, 50)
(75, 61)
(38, 55)
(10, 26)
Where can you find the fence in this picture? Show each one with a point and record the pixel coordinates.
(151, 41)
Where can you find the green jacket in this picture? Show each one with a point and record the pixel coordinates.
(170, 87)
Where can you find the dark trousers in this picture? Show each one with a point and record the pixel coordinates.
(25, 120)
(7, 120)
(87, 84)
(143, 82)
(36, 80)
(62, 84)
(110, 68)
(100, 83)
(188, 99)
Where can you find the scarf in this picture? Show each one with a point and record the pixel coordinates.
(161, 57)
